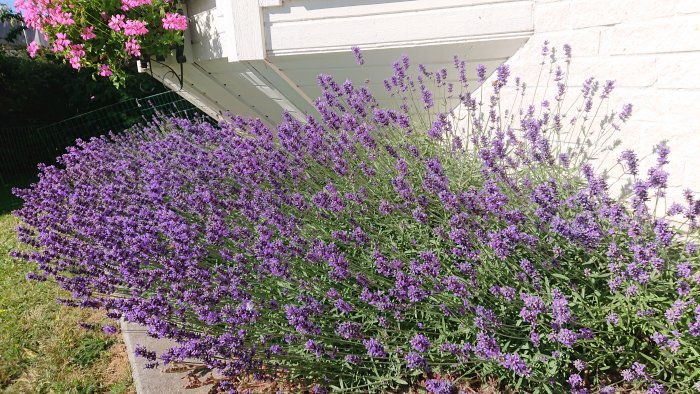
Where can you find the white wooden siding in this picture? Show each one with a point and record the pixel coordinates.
(312, 26)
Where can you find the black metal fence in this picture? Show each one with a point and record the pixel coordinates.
(21, 148)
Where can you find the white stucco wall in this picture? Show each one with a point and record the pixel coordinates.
(651, 48)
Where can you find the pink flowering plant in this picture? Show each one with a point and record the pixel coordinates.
(433, 245)
(105, 36)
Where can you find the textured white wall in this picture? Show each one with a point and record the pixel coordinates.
(651, 48)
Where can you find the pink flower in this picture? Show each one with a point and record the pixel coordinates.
(56, 16)
(31, 13)
(74, 62)
(60, 43)
(88, 33)
(174, 22)
(133, 47)
(77, 50)
(32, 48)
(116, 22)
(135, 28)
(75, 56)
(127, 4)
(105, 71)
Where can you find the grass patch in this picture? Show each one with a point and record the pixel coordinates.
(89, 350)
(121, 387)
(42, 348)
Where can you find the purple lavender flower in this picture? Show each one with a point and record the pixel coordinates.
(426, 96)
(639, 370)
(420, 343)
(607, 89)
(694, 327)
(353, 359)
(628, 375)
(655, 388)
(419, 215)
(502, 73)
(575, 380)
(141, 351)
(566, 337)
(439, 386)
(545, 48)
(481, 73)
(314, 347)
(342, 306)
(659, 338)
(320, 238)
(109, 329)
(358, 55)
(440, 125)
(374, 348)
(560, 309)
(673, 314)
(515, 363)
(318, 389)
(349, 330)
(507, 292)
(629, 159)
(415, 360)
(635, 372)
(626, 112)
(486, 346)
(532, 309)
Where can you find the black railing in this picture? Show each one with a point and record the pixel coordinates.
(22, 148)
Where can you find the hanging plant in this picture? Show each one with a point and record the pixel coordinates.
(105, 36)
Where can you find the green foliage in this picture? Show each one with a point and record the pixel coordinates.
(106, 37)
(29, 89)
(89, 350)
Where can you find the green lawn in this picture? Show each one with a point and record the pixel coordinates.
(42, 348)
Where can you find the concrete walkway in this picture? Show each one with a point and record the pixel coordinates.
(162, 379)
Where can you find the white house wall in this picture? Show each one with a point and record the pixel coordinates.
(262, 57)
(303, 69)
(320, 26)
(652, 50)
(209, 32)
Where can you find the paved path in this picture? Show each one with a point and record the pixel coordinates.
(160, 380)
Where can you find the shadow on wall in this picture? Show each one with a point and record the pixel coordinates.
(205, 37)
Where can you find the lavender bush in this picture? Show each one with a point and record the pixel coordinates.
(374, 249)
